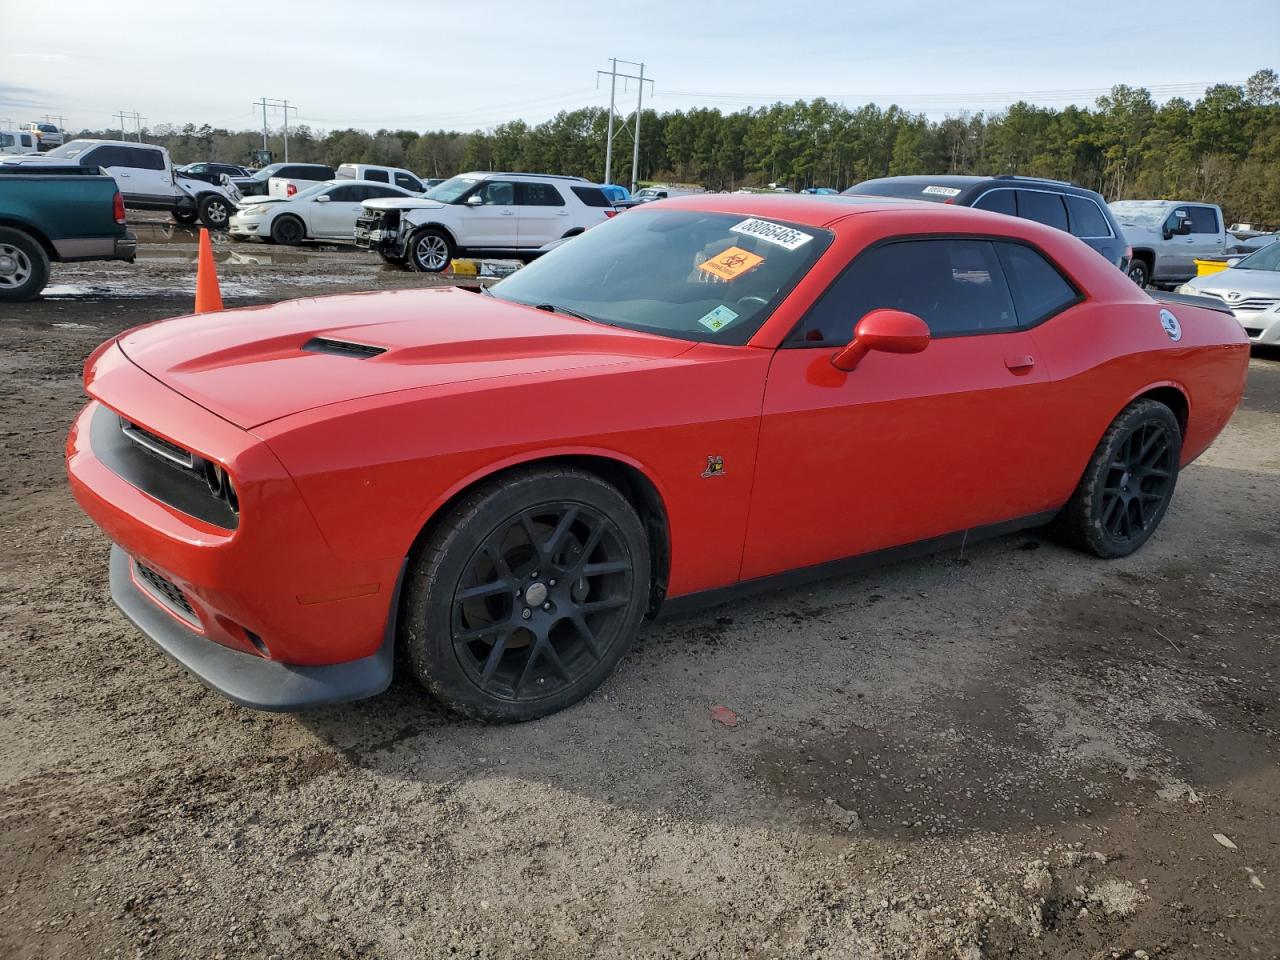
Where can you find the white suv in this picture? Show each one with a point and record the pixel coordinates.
(481, 214)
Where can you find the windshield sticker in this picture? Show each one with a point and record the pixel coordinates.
(731, 264)
(942, 191)
(718, 319)
(774, 233)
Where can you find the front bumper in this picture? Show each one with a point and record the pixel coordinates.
(245, 227)
(1261, 328)
(248, 680)
(260, 595)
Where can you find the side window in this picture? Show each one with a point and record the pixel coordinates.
(354, 193)
(539, 195)
(1086, 218)
(146, 159)
(1039, 288)
(591, 196)
(500, 193)
(1203, 220)
(373, 192)
(1175, 217)
(998, 201)
(377, 176)
(107, 157)
(408, 182)
(956, 286)
(1042, 207)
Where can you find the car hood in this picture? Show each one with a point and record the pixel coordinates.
(249, 366)
(259, 201)
(403, 203)
(1247, 283)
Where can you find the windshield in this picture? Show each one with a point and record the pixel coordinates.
(712, 277)
(267, 172)
(452, 190)
(1140, 213)
(70, 150)
(1268, 258)
(309, 193)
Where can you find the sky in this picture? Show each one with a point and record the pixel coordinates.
(425, 64)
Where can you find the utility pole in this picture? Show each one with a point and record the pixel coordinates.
(124, 115)
(275, 105)
(613, 75)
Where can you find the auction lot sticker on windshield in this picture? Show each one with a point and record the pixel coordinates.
(775, 233)
(718, 319)
(942, 191)
(731, 264)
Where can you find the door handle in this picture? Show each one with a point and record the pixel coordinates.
(562, 213)
(1020, 363)
(508, 213)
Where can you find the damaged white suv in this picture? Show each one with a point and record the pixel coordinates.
(481, 214)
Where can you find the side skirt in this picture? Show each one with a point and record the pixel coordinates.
(693, 602)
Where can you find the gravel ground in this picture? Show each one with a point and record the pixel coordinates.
(1016, 751)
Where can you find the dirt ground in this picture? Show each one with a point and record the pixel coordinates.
(1015, 752)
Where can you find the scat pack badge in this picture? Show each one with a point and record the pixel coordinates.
(1171, 325)
(715, 467)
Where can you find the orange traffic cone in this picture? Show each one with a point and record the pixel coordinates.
(208, 296)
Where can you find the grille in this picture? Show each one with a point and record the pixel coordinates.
(166, 591)
(157, 445)
(344, 348)
(1249, 304)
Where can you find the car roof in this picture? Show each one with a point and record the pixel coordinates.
(814, 210)
(534, 176)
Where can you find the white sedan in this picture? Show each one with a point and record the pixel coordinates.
(326, 211)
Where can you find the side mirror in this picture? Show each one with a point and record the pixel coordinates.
(1232, 261)
(323, 198)
(1182, 228)
(888, 331)
(475, 200)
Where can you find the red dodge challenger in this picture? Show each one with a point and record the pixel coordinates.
(701, 397)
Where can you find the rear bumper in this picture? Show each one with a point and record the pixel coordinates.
(248, 680)
(98, 248)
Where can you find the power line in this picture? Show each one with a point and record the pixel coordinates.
(276, 105)
(133, 115)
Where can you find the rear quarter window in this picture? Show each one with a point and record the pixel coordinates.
(591, 196)
(1039, 289)
(997, 201)
(1086, 218)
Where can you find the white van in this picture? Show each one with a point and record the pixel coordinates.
(18, 142)
(396, 176)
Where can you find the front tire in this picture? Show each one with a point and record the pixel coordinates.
(1139, 272)
(215, 211)
(24, 266)
(430, 251)
(186, 217)
(1127, 486)
(288, 231)
(527, 595)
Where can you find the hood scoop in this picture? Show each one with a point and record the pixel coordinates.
(342, 348)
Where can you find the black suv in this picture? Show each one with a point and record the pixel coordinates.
(1074, 209)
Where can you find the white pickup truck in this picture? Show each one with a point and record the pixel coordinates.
(147, 180)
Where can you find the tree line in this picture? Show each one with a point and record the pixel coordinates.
(1222, 148)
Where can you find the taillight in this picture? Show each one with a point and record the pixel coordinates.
(291, 189)
(117, 207)
(610, 213)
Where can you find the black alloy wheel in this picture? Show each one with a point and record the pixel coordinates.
(527, 594)
(1128, 484)
(1139, 273)
(539, 601)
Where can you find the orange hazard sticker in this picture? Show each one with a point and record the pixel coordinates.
(731, 263)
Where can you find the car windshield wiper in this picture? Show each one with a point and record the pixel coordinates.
(556, 308)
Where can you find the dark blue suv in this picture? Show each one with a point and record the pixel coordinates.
(1070, 208)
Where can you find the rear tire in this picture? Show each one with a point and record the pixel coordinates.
(186, 217)
(527, 595)
(288, 230)
(430, 251)
(1127, 486)
(1139, 272)
(24, 266)
(215, 211)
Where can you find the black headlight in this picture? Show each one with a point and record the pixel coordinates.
(220, 484)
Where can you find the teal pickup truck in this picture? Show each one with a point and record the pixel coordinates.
(57, 213)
